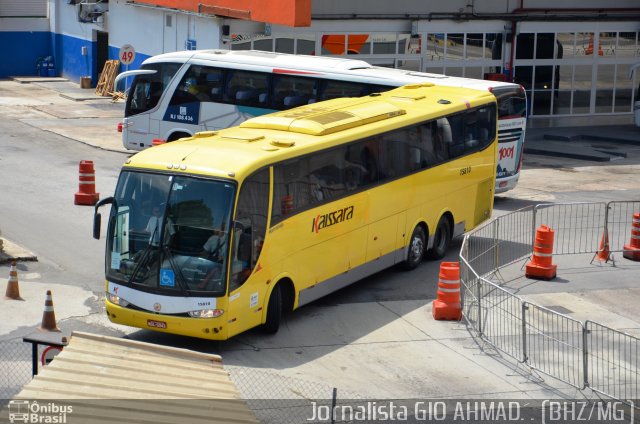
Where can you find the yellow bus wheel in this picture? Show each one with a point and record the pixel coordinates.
(417, 245)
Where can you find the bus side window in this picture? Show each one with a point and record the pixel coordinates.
(471, 131)
(326, 175)
(213, 83)
(395, 154)
(457, 125)
(250, 227)
(247, 88)
(443, 139)
(292, 190)
(425, 143)
(292, 91)
(486, 126)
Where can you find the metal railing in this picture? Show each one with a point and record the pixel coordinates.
(613, 359)
(580, 354)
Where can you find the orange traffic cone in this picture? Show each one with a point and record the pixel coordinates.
(589, 50)
(13, 291)
(49, 317)
(604, 254)
(632, 250)
(86, 194)
(541, 267)
(447, 306)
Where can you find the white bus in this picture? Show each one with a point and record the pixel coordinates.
(175, 95)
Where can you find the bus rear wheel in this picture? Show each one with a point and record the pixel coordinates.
(441, 239)
(417, 245)
(274, 311)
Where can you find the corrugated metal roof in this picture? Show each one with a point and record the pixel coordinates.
(102, 376)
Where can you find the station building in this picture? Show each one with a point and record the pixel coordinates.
(573, 58)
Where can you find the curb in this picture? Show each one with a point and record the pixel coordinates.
(13, 252)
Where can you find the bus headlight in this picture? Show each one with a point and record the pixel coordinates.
(206, 313)
(117, 300)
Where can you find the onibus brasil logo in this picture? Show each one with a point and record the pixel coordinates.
(24, 411)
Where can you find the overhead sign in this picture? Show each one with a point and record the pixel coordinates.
(127, 54)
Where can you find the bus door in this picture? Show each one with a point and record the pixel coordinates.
(248, 277)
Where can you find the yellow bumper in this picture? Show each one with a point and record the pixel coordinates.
(204, 328)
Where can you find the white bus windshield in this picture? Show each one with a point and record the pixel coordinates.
(169, 234)
(147, 89)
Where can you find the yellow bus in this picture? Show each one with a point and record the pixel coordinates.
(225, 231)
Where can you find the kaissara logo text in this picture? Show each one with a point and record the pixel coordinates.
(331, 218)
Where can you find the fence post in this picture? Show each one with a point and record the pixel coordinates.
(334, 396)
(533, 227)
(606, 218)
(585, 354)
(496, 245)
(524, 308)
(478, 283)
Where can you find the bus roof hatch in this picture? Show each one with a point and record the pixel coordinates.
(309, 120)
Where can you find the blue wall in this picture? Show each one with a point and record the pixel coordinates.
(24, 49)
(69, 60)
(21, 51)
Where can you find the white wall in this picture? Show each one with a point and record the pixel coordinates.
(22, 24)
(64, 20)
(144, 28)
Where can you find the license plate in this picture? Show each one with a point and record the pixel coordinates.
(156, 324)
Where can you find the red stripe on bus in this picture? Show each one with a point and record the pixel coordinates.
(291, 71)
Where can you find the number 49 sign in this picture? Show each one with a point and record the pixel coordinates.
(127, 54)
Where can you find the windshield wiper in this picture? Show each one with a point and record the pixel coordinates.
(142, 260)
(143, 257)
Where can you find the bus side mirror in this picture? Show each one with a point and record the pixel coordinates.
(97, 220)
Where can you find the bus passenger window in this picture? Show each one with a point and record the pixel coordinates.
(292, 189)
(396, 159)
(247, 88)
(472, 132)
(443, 139)
(425, 143)
(292, 91)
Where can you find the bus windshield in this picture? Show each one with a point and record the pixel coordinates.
(147, 89)
(169, 234)
(512, 102)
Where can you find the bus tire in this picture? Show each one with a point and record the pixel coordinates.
(274, 311)
(441, 239)
(417, 245)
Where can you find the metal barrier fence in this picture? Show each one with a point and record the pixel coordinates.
(279, 399)
(614, 360)
(578, 226)
(553, 344)
(15, 367)
(619, 223)
(580, 354)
